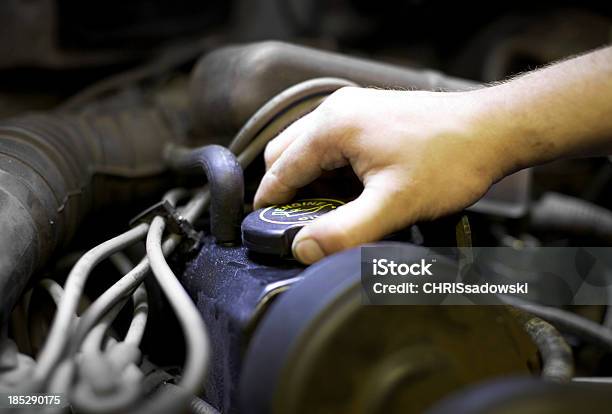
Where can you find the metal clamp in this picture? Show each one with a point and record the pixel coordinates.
(174, 221)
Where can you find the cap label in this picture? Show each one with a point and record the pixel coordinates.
(299, 212)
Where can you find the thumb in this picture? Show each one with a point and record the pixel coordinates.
(370, 217)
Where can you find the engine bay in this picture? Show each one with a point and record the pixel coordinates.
(137, 277)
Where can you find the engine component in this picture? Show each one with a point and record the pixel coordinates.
(569, 215)
(47, 166)
(319, 350)
(277, 337)
(523, 395)
(556, 355)
(224, 176)
(234, 287)
(271, 230)
(231, 289)
(233, 82)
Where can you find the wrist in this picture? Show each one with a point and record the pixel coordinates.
(505, 126)
(488, 138)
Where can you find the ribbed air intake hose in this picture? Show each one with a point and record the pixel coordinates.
(55, 167)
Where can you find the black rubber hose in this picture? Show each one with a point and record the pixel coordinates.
(226, 181)
(233, 82)
(556, 354)
(566, 321)
(569, 215)
(48, 163)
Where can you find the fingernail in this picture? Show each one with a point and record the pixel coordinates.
(307, 251)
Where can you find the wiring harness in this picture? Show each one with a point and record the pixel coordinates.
(81, 358)
(101, 373)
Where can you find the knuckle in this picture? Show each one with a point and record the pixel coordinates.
(344, 94)
(270, 153)
(341, 112)
(316, 145)
(338, 99)
(276, 180)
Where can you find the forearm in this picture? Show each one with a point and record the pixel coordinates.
(563, 110)
(422, 155)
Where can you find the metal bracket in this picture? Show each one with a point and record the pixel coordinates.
(174, 221)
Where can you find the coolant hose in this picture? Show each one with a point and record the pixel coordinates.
(48, 163)
(565, 214)
(231, 83)
(226, 181)
(556, 354)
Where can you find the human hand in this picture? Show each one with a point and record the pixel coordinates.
(420, 155)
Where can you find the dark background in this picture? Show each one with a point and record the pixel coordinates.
(49, 49)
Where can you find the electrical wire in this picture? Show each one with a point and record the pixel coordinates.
(118, 291)
(196, 336)
(60, 382)
(111, 371)
(279, 112)
(270, 131)
(121, 262)
(593, 380)
(140, 305)
(258, 132)
(280, 103)
(250, 141)
(110, 380)
(195, 332)
(64, 316)
(85, 397)
(93, 343)
(138, 324)
(55, 291)
(126, 285)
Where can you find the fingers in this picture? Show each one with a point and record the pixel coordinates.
(303, 160)
(276, 147)
(306, 125)
(370, 217)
